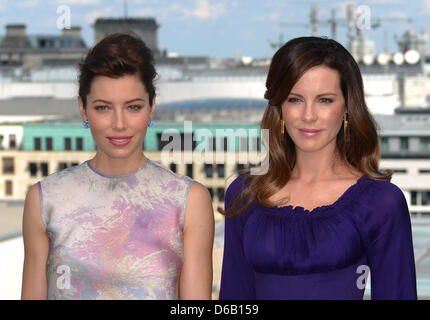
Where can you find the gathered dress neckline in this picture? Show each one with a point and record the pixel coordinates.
(345, 198)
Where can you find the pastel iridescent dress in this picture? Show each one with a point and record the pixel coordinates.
(114, 237)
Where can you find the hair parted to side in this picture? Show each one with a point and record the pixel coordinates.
(114, 56)
(361, 150)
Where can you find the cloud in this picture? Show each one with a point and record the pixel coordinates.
(206, 11)
(248, 35)
(173, 12)
(426, 6)
(385, 2)
(28, 3)
(92, 16)
(398, 14)
(77, 2)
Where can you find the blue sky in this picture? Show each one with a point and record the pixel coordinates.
(219, 28)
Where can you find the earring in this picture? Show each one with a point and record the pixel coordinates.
(282, 126)
(150, 123)
(85, 124)
(345, 125)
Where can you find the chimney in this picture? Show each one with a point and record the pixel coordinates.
(74, 31)
(15, 30)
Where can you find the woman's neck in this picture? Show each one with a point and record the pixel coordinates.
(317, 166)
(120, 166)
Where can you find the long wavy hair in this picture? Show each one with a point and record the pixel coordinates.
(360, 147)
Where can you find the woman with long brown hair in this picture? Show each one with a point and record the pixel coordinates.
(323, 215)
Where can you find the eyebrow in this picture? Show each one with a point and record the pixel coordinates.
(320, 95)
(108, 102)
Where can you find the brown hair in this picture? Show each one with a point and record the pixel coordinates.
(361, 148)
(114, 56)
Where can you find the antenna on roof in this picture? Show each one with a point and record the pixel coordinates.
(125, 9)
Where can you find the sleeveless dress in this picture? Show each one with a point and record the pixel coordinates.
(114, 237)
(325, 253)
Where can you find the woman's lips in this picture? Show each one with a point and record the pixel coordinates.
(119, 141)
(309, 132)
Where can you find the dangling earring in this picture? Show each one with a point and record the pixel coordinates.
(85, 124)
(282, 126)
(345, 125)
(150, 123)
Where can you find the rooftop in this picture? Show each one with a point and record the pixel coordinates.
(404, 124)
(215, 104)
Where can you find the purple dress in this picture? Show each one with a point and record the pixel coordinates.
(325, 253)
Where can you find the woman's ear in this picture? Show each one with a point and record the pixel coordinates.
(151, 113)
(82, 110)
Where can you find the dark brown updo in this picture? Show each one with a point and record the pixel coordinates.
(114, 56)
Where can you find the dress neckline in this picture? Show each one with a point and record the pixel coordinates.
(345, 198)
(118, 175)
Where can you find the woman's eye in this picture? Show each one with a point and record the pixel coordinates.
(293, 100)
(135, 107)
(326, 100)
(101, 108)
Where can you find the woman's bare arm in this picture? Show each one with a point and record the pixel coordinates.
(36, 249)
(196, 275)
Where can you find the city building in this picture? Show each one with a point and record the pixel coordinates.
(21, 52)
(145, 28)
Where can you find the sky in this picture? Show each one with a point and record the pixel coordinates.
(221, 28)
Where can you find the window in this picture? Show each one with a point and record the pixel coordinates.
(425, 198)
(8, 187)
(48, 143)
(173, 167)
(221, 170)
(425, 143)
(162, 144)
(79, 144)
(413, 198)
(73, 164)
(190, 170)
(225, 143)
(212, 144)
(33, 169)
(44, 168)
(8, 165)
(404, 143)
(220, 194)
(255, 144)
(37, 144)
(243, 144)
(12, 141)
(209, 170)
(67, 144)
(239, 167)
(62, 166)
(384, 144)
(211, 192)
(420, 197)
(188, 142)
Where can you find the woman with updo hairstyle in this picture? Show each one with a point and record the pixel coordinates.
(322, 216)
(119, 225)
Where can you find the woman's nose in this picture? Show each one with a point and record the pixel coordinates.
(118, 121)
(309, 112)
